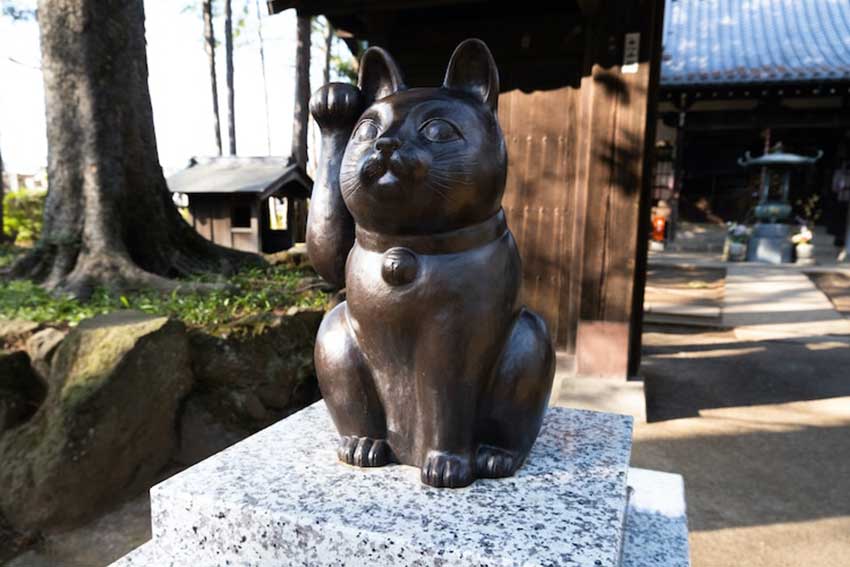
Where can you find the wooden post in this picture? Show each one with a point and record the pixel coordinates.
(618, 118)
(654, 46)
(678, 171)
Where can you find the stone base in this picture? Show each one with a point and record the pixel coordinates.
(282, 498)
(602, 349)
(771, 243)
(656, 521)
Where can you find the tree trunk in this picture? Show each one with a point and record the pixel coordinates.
(329, 40)
(209, 45)
(301, 118)
(109, 219)
(265, 79)
(2, 195)
(228, 47)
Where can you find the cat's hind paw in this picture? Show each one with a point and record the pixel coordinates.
(492, 462)
(363, 451)
(445, 470)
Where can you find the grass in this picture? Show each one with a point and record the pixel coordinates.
(252, 292)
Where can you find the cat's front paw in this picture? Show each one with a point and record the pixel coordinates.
(363, 451)
(492, 462)
(445, 470)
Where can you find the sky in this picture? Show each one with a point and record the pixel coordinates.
(179, 84)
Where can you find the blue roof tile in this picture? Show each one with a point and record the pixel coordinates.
(727, 42)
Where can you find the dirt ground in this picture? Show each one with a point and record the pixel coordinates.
(96, 544)
(761, 433)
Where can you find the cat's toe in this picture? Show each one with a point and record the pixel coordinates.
(363, 451)
(379, 454)
(492, 462)
(445, 470)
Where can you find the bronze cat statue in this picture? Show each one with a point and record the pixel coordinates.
(430, 361)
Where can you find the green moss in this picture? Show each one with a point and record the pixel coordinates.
(250, 293)
(98, 351)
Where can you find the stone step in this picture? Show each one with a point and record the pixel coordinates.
(656, 532)
(282, 498)
(656, 521)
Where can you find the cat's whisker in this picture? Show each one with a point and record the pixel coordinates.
(461, 178)
(442, 190)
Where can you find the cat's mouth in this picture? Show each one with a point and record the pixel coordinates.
(384, 172)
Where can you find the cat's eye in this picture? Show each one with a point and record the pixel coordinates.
(439, 130)
(366, 132)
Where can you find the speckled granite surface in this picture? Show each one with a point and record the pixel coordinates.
(656, 526)
(656, 522)
(282, 498)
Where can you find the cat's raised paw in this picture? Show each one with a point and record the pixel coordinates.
(336, 105)
(492, 462)
(445, 470)
(363, 451)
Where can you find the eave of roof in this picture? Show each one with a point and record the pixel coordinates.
(764, 42)
(348, 7)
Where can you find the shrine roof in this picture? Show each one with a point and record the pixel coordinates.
(232, 174)
(728, 42)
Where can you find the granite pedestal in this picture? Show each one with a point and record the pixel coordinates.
(281, 497)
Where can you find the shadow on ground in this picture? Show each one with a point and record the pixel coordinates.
(760, 430)
(792, 473)
(686, 371)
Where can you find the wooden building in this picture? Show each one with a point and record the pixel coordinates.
(242, 202)
(739, 78)
(579, 80)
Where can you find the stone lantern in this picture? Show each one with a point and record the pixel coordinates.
(771, 238)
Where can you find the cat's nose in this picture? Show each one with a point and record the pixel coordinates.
(387, 145)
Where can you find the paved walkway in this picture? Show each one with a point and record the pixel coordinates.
(754, 413)
(768, 303)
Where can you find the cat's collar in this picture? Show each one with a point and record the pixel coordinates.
(450, 242)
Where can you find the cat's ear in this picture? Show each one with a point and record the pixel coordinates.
(472, 69)
(379, 75)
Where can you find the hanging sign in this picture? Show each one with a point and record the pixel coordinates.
(631, 53)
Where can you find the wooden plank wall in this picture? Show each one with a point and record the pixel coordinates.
(540, 131)
(575, 193)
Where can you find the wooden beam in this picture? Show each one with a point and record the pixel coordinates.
(334, 7)
(783, 119)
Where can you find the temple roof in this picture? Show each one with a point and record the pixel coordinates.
(728, 42)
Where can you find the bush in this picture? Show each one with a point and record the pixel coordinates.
(23, 214)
